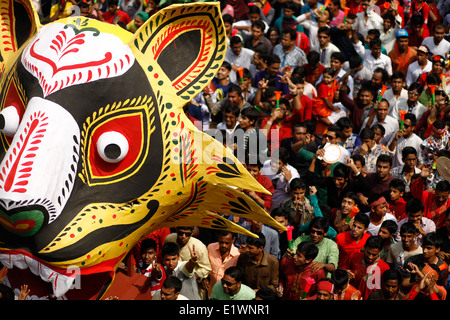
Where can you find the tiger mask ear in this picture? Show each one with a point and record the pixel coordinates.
(181, 48)
(20, 23)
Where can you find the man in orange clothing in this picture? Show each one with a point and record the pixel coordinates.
(222, 255)
(435, 203)
(402, 55)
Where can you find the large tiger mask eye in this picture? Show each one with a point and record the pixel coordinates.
(112, 146)
(9, 121)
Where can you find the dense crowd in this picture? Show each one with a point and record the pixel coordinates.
(340, 110)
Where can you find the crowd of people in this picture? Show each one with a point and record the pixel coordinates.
(341, 111)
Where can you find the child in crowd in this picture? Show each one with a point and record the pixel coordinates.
(396, 202)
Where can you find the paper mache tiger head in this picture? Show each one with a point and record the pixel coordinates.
(96, 151)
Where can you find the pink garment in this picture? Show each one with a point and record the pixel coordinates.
(218, 266)
(228, 9)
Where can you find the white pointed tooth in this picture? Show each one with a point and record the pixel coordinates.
(6, 260)
(60, 283)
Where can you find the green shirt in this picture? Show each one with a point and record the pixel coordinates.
(328, 251)
(245, 293)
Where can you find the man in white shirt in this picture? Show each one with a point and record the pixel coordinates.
(396, 93)
(368, 19)
(405, 138)
(414, 211)
(381, 116)
(337, 61)
(312, 27)
(378, 214)
(392, 22)
(238, 56)
(437, 44)
(421, 65)
(412, 105)
(325, 48)
(373, 58)
(281, 174)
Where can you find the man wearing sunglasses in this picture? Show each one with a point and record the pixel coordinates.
(186, 242)
(328, 256)
(230, 287)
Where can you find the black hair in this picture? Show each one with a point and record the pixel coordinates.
(170, 249)
(344, 123)
(367, 133)
(224, 233)
(414, 205)
(325, 30)
(417, 19)
(228, 18)
(398, 75)
(148, 244)
(416, 86)
(354, 61)
(341, 171)
(408, 227)
(360, 158)
(235, 40)
(231, 108)
(254, 9)
(384, 158)
(378, 126)
(433, 78)
(259, 24)
(319, 223)
(236, 273)
(407, 151)
(392, 274)
(313, 57)
(443, 186)
(297, 184)
(279, 212)
(251, 113)
(363, 218)
(273, 58)
(390, 225)
(329, 71)
(353, 196)
(375, 42)
(411, 117)
(432, 239)
(265, 293)
(257, 242)
(173, 282)
(374, 242)
(338, 56)
(291, 32)
(308, 249)
(398, 184)
(340, 278)
(283, 154)
(226, 65)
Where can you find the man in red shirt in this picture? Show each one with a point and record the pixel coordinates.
(353, 240)
(366, 268)
(435, 203)
(114, 15)
(296, 275)
(418, 31)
